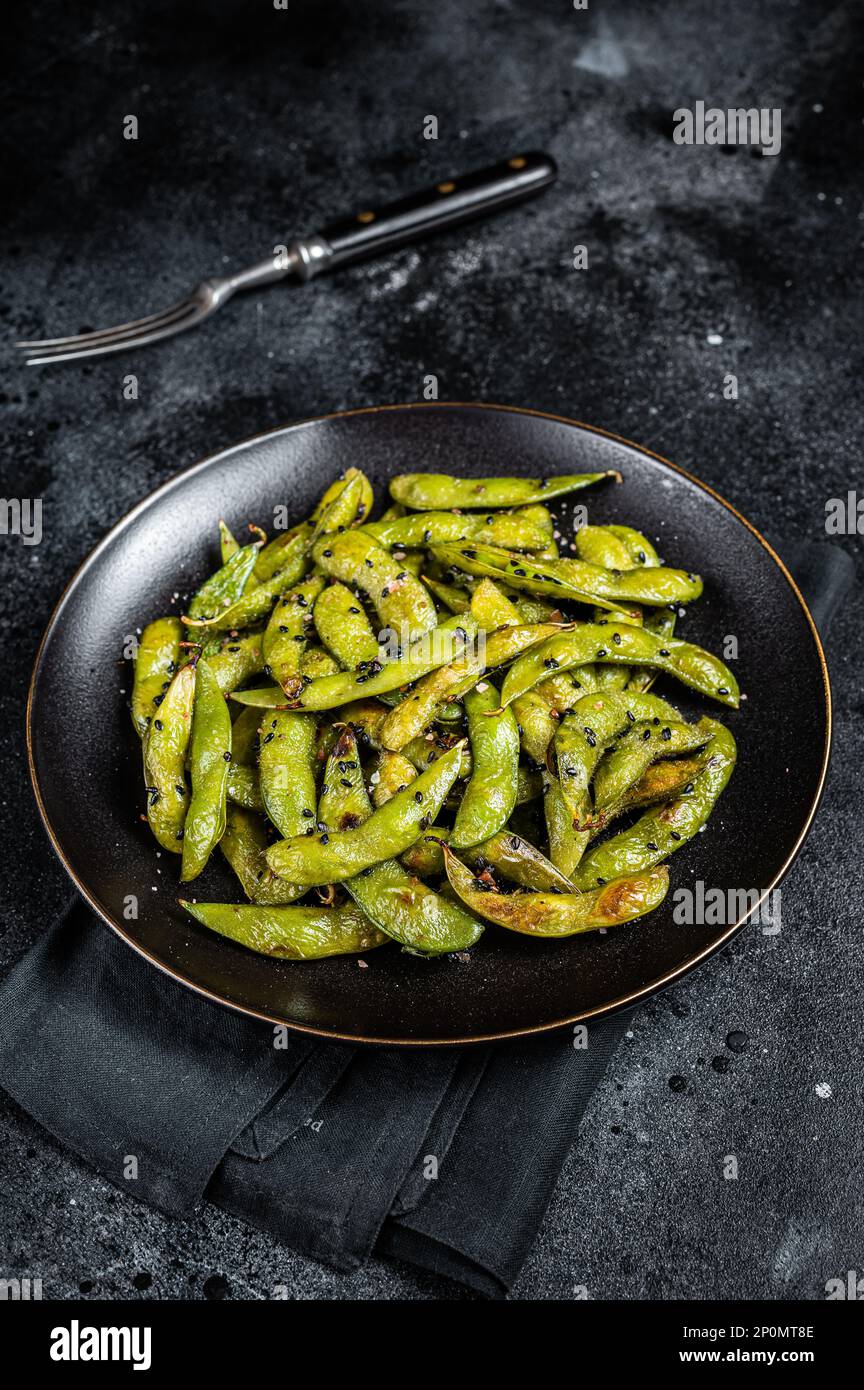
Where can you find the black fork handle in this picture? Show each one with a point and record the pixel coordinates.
(376, 230)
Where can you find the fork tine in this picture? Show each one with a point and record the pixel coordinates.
(122, 342)
(142, 325)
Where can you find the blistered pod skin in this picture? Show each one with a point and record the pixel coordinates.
(334, 857)
(440, 491)
(343, 626)
(209, 758)
(403, 604)
(290, 933)
(286, 767)
(165, 746)
(155, 663)
(285, 636)
(490, 795)
(561, 914)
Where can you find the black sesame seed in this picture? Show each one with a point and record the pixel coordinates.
(227, 756)
(418, 797)
(666, 734)
(674, 834)
(722, 690)
(157, 724)
(616, 638)
(306, 813)
(325, 840)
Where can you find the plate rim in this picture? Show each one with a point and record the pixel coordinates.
(626, 1001)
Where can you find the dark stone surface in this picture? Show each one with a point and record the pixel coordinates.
(255, 124)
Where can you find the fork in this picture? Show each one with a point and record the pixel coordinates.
(350, 239)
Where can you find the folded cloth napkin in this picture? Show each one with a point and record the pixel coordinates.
(442, 1157)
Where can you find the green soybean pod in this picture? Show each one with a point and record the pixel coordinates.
(644, 743)
(574, 579)
(343, 626)
(287, 551)
(244, 845)
(599, 546)
(290, 933)
(620, 643)
(393, 773)
(561, 914)
(165, 745)
(639, 548)
(225, 587)
(400, 905)
(663, 830)
(209, 758)
(402, 602)
(566, 844)
(340, 855)
(585, 733)
(243, 787)
(490, 795)
(244, 737)
(286, 768)
(426, 492)
(237, 660)
(156, 660)
(253, 605)
(336, 490)
(286, 633)
(529, 529)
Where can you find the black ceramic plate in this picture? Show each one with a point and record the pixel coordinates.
(88, 784)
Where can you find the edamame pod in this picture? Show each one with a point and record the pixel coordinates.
(575, 579)
(426, 492)
(619, 643)
(490, 795)
(560, 914)
(243, 787)
(254, 604)
(514, 857)
(288, 551)
(225, 587)
(244, 845)
(392, 775)
(237, 661)
(285, 636)
(519, 530)
(165, 745)
(409, 912)
(343, 626)
(286, 768)
(402, 602)
(209, 758)
(156, 660)
(585, 733)
(290, 933)
(643, 744)
(436, 649)
(332, 858)
(244, 737)
(663, 830)
(336, 490)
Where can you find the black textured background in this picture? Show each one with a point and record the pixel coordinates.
(256, 124)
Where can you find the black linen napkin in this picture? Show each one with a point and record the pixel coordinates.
(445, 1158)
